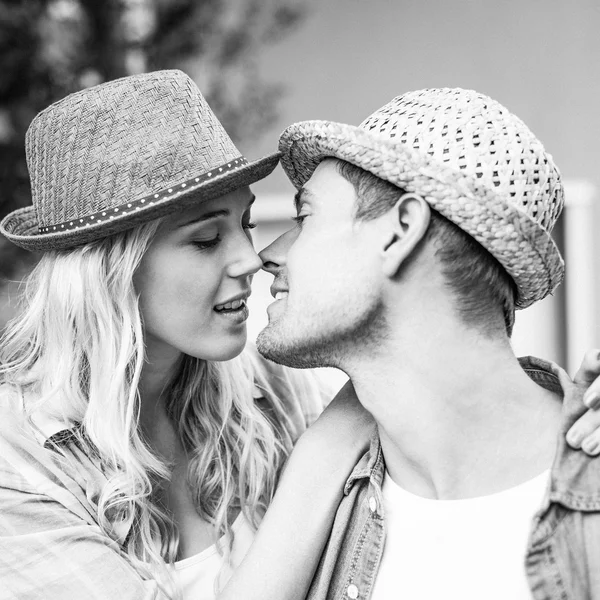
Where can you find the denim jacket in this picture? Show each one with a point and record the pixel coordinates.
(562, 560)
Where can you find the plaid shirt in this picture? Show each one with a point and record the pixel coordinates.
(51, 545)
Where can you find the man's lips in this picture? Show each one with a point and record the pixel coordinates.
(278, 291)
(280, 294)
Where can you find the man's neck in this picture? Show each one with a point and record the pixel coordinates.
(457, 416)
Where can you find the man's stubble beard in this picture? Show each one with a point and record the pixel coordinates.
(322, 347)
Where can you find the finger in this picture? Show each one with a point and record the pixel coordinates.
(584, 427)
(591, 444)
(589, 369)
(589, 375)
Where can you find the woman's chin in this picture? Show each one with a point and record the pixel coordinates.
(224, 349)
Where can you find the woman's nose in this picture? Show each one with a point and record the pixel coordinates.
(247, 261)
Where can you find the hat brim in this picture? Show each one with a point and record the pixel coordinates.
(22, 228)
(522, 246)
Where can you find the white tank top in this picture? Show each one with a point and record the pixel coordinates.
(197, 575)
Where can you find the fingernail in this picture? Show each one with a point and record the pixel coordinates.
(591, 399)
(590, 446)
(574, 438)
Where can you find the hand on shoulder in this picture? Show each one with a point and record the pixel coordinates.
(343, 432)
(585, 432)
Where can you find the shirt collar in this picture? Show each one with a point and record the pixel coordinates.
(370, 465)
(45, 427)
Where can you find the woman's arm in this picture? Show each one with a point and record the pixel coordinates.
(282, 560)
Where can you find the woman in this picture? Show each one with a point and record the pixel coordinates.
(138, 454)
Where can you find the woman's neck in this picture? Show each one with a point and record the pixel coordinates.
(161, 364)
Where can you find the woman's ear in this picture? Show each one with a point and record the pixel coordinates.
(408, 221)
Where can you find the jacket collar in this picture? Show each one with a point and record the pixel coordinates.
(574, 477)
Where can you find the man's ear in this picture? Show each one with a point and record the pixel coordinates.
(408, 222)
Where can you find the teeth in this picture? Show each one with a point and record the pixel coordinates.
(230, 305)
(280, 295)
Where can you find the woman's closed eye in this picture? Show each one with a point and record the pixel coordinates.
(206, 244)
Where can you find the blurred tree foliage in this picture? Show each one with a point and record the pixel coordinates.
(50, 48)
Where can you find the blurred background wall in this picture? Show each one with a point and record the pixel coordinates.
(265, 64)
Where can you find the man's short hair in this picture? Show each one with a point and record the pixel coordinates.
(480, 284)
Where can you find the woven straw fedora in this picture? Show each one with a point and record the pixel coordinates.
(469, 158)
(119, 154)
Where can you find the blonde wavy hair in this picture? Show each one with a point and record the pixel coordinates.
(76, 352)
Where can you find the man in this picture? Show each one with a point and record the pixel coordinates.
(419, 233)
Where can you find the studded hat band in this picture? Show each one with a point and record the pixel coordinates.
(113, 213)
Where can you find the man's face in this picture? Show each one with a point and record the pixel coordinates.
(327, 278)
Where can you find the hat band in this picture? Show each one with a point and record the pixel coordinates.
(110, 214)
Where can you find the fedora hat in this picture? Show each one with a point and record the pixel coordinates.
(119, 154)
(472, 160)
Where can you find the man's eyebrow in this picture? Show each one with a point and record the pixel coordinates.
(214, 214)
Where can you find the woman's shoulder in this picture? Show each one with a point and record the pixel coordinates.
(34, 462)
(23, 436)
(20, 450)
(12, 416)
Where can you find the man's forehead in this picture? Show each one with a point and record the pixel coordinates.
(325, 182)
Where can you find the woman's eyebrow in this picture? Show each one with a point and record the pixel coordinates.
(214, 214)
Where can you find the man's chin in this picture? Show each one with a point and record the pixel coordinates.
(288, 350)
(272, 345)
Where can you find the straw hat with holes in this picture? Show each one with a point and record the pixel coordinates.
(471, 159)
(119, 154)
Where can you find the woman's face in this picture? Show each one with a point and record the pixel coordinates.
(194, 280)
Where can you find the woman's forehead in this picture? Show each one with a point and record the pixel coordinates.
(237, 200)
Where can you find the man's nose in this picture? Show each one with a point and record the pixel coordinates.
(274, 255)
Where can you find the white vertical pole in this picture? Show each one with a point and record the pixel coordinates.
(581, 271)
(537, 331)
